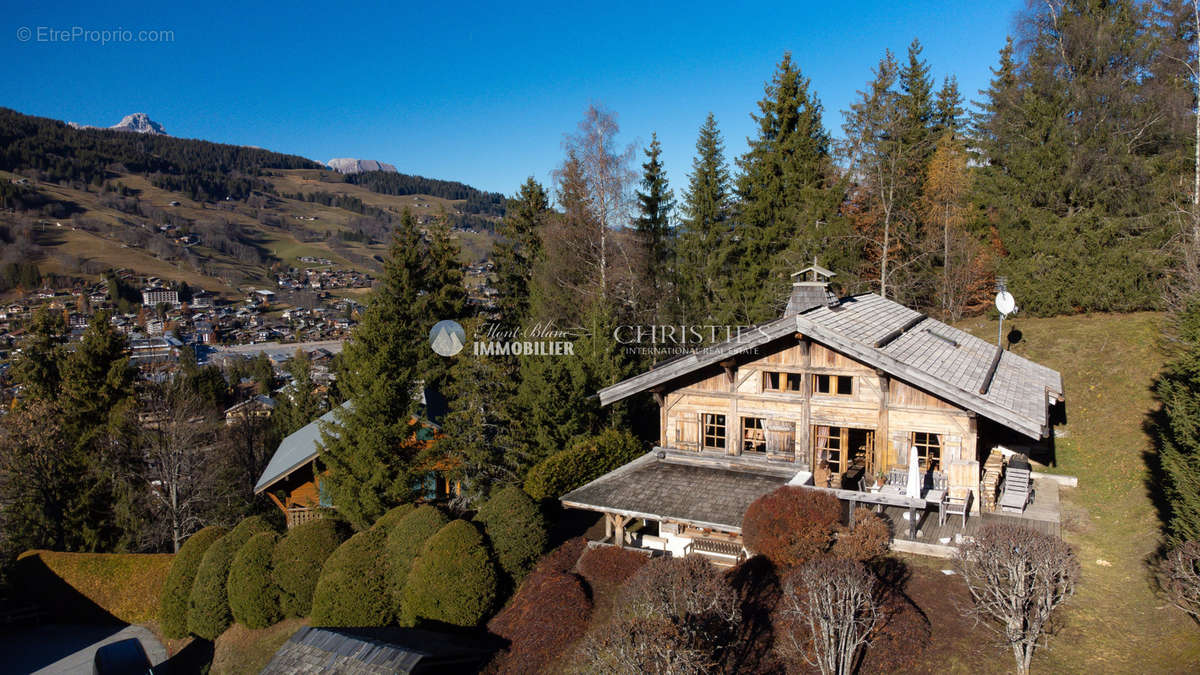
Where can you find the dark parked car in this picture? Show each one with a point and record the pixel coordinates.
(126, 657)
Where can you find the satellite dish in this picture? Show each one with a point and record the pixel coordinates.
(1005, 302)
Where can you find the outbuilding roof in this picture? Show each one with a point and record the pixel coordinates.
(295, 451)
(703, 495)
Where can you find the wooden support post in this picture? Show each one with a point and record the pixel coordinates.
(850, 518)
(608, 526)
(662, 417)
(730, 367)
(881, 425)
(619, 533)
(804, 438)
(912, 522)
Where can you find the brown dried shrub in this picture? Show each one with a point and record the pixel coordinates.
(791, 525)
(549, 613)
(610, 566)
(867, 540)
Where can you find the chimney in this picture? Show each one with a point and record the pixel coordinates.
(810, 288)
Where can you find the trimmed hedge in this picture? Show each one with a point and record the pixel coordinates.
(298, 559)
(516, 529)
(353, 590)
(388, 520)
(173, 612)
(92, 587)
(208, 604)
(404, 542)
(454, 581)
(253, 597)
(588, 458)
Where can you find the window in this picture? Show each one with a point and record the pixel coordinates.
(754, 438)
(829, 445)
(833, 385)
(714, 431)
(929, 449)
(775, 381)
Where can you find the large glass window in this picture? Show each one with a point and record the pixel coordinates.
(776, 381)
(754, 435)
(929, 449)
(714, 431)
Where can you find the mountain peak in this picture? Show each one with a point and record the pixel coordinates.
(141, 123)
(137, 122)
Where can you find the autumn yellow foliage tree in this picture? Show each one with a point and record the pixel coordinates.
(965, 263)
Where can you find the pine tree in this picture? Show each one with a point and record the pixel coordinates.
(371, 448)
(97, 380)
(298, 404)
(788, 193)
(917, 108)
(655, 201)
(948, 108)
(517, 249)
(37, 367)
(1178, 426)
(704, 241)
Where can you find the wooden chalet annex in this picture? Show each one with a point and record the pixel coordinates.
(834, 395)
(294, 478)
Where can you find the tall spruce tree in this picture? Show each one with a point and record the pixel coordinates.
(655, 203)
(298, 404)
(949, 114)
(1070, 135)
(1178, 425)
(789, 195)
(517, 249)
(702, 263)
(372, 449)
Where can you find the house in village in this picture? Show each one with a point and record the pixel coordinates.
(294, 478)
(257, 406)
(836, 395)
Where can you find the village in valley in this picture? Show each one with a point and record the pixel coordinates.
(897, 376)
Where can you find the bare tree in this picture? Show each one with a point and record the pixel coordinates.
(638, 645)
(829, 607)
(1017, 577)
(596, 193)
(177, 436)
(1179, 577)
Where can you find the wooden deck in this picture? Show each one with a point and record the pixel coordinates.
(1043, 515)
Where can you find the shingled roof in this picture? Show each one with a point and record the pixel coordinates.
(905, 344)
(382, 651)
(697, 494)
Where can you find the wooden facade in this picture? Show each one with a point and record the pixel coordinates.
(801, 402)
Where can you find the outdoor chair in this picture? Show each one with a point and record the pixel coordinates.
(955, 502)
(1016, 490)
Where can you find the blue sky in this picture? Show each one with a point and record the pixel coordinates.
(477, 92)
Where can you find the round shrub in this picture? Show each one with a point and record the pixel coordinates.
(253, 598)
(791, 525)
(516, 529)
(609, 566)
(178, 587)
(869, 539)
(404, 542)
(298, 559)
(454, 581)
(588, 458)
(563, 558)
(208, 604)
(388, 520)
(352, 590)
(550, 612)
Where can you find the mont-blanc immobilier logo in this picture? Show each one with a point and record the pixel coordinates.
(447, 337)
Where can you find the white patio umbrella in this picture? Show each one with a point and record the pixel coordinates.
(914, 474)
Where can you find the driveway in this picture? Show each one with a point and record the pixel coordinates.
(68, 649)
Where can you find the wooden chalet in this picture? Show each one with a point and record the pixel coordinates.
(294, 478)
(835, 394)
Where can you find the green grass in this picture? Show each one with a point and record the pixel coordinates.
(1115, 623)
(126, 586)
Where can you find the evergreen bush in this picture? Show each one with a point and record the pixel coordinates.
(253, 596)
(298, 559)
(173, 617)
(404, 542)
(454, 581)
(352, 590)
(588, 458)
(516, 530)
(208, 604)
